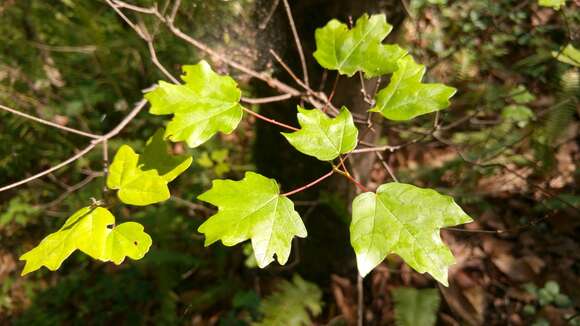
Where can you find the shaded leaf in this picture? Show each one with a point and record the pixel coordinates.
(323, 137)
(155, 156)
(93, 231)
(252, 208)
(406, 97)
(404, 219)
(205, 104)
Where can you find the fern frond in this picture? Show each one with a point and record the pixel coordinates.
(415, 307)
(292, 304)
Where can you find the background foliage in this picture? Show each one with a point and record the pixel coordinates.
(515, 114)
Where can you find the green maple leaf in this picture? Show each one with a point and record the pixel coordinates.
(406, 97)
(205, 104)
(252, 208)
(404, 219)
(136, 186)
(91, 230)
(555, 4)
(155, 156)
(323, 137)
(357, 49)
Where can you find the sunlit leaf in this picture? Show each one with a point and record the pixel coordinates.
(136, 187)
(323, 137)
(404, 219)
(93, 231)
(252, 208)
(357, 49)
(407, 97)
(555, 4)
(205, 104)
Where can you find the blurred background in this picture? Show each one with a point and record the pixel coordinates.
(508, 152)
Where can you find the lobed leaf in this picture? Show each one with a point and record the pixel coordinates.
(323, 137)
(92, 230)
(406, 97)
(357, 49)
(205, 104)
(142, 179)
(136, 186)
(404, 219)
(252, 208)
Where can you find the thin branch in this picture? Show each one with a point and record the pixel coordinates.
(272, 121)
(190, 205)
(49, 123)
(85, 150)
(174, 10)
(386, 166)
(69, 191)
(263, 100)
(297, 41)
(105, 164)
(347, 175)
(266, 20)
(288, 70)
(360, 303)
(156, 62)
(292, 192)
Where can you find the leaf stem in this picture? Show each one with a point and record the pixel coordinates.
(272, 121)
(292, 192)
(347, 175)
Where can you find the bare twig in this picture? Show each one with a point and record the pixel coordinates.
(69, 191)
(85, 150)
(310, 184)
(360, 301)
(263, 100)
(288, 70)
(156, 62)
(297, 41)
(266, 20)
(386, 166)
(272, 121)
(49, 123)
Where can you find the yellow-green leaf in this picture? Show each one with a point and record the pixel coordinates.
(404, 219)
(205, 104)
(252, 208)
(136, 187)
(407, 97)
(323, 137)
(555, 4)
(91, 230)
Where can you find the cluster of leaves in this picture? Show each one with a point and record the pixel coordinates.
(398, 218)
